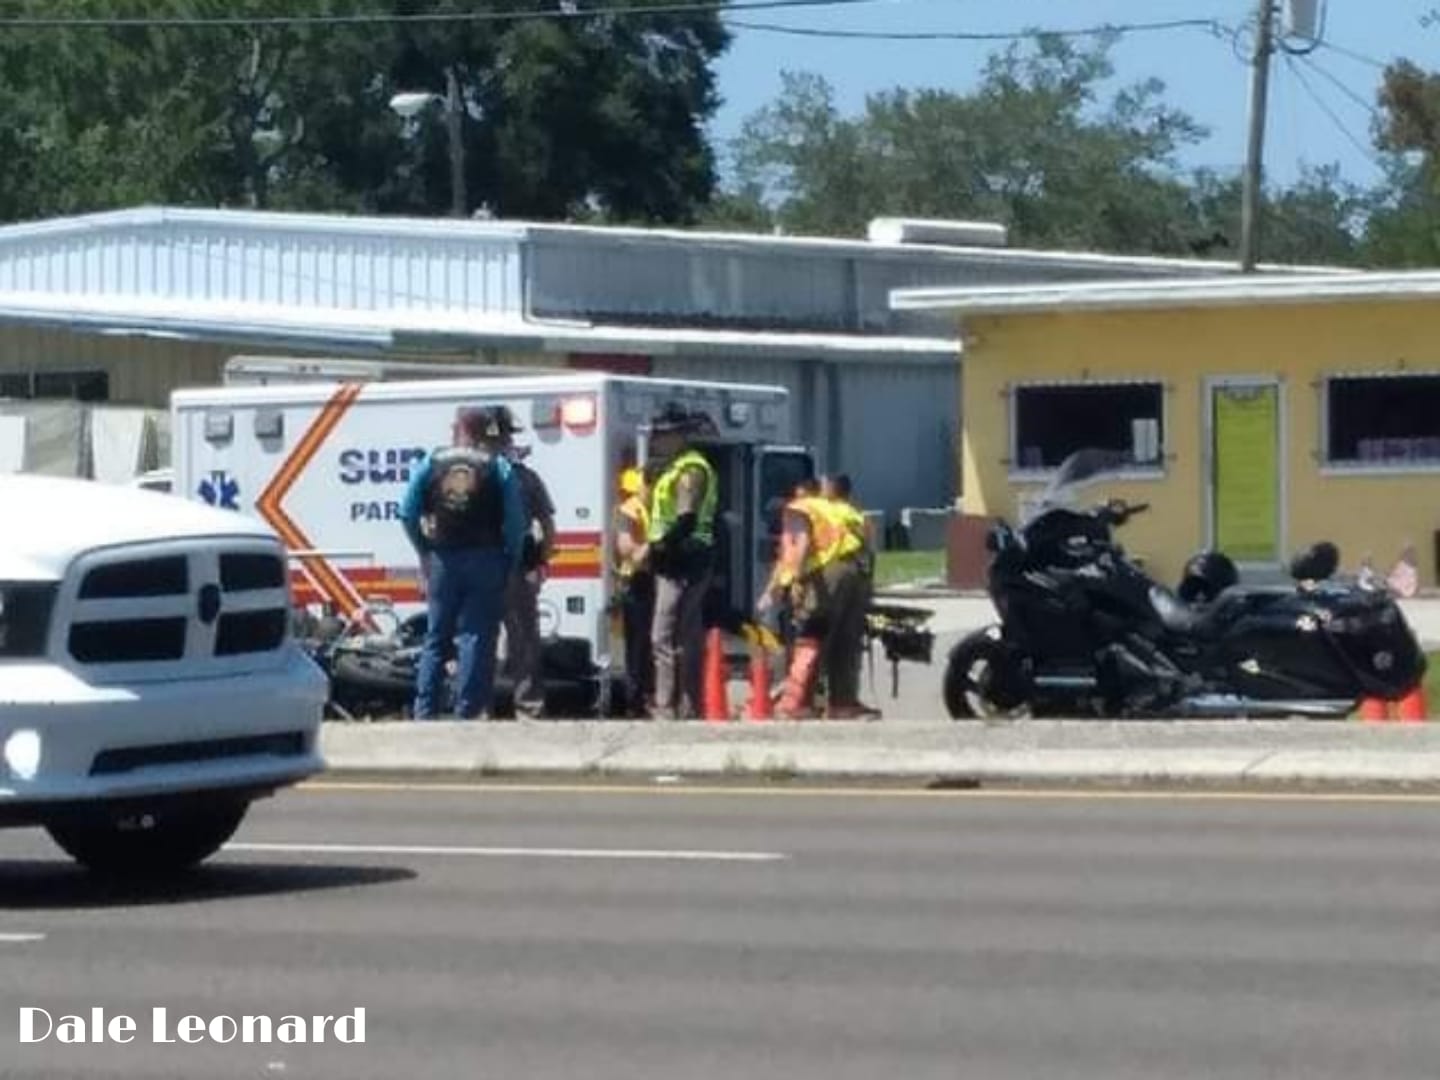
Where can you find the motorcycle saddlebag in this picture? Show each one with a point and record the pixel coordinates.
(1371, 632)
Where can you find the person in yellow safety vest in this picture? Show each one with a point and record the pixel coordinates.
(680, 549)
(838, 489)
(635, 590)
(818, 568)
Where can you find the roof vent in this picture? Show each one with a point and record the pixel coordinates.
(888, 230)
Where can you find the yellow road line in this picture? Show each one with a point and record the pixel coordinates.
(1022, 794)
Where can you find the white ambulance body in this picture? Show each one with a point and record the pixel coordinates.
(326, 464)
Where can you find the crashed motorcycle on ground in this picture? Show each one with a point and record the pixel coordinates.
(372, 670)
(1084, 632)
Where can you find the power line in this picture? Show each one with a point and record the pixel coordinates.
(1365, 151)
(1359, 58)
(1214, 26)
(1339, 84)
(568, 11)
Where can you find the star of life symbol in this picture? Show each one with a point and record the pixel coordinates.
(221, 490)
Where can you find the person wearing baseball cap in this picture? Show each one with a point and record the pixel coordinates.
(523, 645)
(464, 516)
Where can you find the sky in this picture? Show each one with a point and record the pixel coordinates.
(1318, 124)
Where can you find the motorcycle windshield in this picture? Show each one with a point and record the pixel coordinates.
(1078, 472)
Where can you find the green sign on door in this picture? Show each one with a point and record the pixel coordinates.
(1247, 472)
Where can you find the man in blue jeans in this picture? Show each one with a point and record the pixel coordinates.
(463, 514)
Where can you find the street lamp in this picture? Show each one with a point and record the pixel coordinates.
(409, 104)
(267, 144)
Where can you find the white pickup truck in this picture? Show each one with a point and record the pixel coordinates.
(150, 688)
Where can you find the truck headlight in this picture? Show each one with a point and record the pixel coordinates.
(25, 610)
(22, 754)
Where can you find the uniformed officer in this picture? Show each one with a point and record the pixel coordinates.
(680, 548)
(462, 512)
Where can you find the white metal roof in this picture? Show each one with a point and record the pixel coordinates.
(453, 229)
(377, 284)
(1239, 291)
(437, 331)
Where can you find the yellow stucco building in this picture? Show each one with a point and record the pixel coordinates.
(1261, 413)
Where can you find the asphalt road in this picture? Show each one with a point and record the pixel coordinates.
(548, 934)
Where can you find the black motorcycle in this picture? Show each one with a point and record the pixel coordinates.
(373, 674)
(1084, 632)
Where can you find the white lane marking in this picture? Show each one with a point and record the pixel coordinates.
(515, 852)
(20, 939)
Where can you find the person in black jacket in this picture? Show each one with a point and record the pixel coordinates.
(523, 647)
(463, 514)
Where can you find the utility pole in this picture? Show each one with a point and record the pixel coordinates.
(453, 107)
(1254, 162)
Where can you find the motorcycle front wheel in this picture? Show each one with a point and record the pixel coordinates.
(983, 679)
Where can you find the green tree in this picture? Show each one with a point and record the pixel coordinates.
(1320, 219)
(1032, 146)
(1404, 225)
(1036, 145)
(599, 115)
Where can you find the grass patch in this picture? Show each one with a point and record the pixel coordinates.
(903, 567)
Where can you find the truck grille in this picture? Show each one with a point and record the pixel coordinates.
(132, 579)
(177, 609)
(128, 640)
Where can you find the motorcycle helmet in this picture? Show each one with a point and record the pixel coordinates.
(1206, 576)
(1316, 563)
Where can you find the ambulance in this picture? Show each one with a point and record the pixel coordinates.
(325, 462)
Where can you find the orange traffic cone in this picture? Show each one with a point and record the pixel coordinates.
(1373, 710)
(716, 703)
(1413, 708)
(759, 706)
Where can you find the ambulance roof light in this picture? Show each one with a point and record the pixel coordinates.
(579, 412)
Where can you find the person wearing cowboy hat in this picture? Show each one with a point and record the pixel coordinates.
(524, 649)
(463, 514)
(680, 549)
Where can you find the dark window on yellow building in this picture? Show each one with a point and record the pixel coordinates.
(1050, 422)
(1383, 420)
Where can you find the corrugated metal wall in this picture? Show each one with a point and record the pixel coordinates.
(345, 270)
(667, 280)
(663, 284)
(141, 371)
(764, 372)
(892, 427)
(901, 430)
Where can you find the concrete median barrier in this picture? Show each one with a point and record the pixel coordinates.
(1209, 752)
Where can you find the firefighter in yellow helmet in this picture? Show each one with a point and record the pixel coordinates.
(635, 590)
(818, 569)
